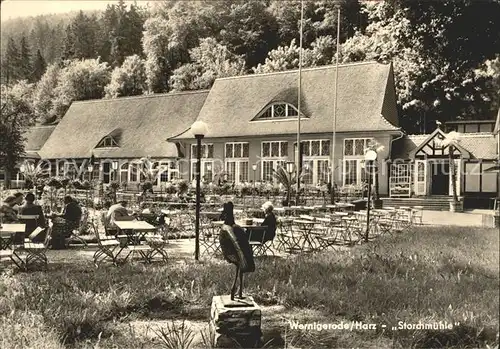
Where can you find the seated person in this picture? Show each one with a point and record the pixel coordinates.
(30, 208)
(269, 221)
(9, 215)
(72, 214)
(19, 201)
(117, 212)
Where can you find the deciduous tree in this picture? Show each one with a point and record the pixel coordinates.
(79, 81)
(211, 60)
(129, 79)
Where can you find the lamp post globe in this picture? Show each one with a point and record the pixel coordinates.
(199, 128)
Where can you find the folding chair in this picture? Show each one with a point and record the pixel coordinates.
(106, 249)
(75, 233)
(36, 251)
(158, 241)
(287, 238)
(108, 230)
(256, 239)
(209, 237)
(417, 214)
(326, 235)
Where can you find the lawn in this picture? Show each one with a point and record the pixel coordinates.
(424, 275)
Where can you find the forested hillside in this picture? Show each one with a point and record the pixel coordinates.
(446, 54)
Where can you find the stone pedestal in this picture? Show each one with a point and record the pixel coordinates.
(235, 324)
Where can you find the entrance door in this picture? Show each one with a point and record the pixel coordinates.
(420, 177)
(106, 171)
(440, 178)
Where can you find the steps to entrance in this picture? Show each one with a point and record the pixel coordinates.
(433, 203)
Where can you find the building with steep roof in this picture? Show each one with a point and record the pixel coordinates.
(252, 123)
(252, 131)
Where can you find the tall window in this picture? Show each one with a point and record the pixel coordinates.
(316, 161)
(236, 154)
(124, 172)
(279, 111)
(274, 154)
(207, 163)
(133, 172)
(354, 158)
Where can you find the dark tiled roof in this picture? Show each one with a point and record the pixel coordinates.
(233, 102)
(402, 147)
(145, 123)
(479, 145)
(35, 138)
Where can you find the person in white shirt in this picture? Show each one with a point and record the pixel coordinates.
(116, 212)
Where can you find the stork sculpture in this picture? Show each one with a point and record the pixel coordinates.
(235, 248)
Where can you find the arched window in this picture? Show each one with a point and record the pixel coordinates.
(107, 142)
(278, 111)
(124, 173)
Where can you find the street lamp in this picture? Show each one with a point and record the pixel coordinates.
(289, 169)
(254, 168)
(114, 165)
(199, 129)
(90, 170)
(370, 157)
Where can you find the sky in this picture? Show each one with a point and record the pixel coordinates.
(26, 8)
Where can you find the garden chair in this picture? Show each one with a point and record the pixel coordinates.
(417, 214)
(107, 249)
(209, 237)
(36, 252)
(109, 231)
(286, 237)
(158, 241)
(145, 251)
(82, 228)
(256, 240)
(327, 234)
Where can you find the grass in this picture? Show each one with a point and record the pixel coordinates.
(424, 275)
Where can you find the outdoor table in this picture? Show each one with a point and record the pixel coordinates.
(306, 227)
(135, 230)
(240, 224)
(7, 233)
(170, 212)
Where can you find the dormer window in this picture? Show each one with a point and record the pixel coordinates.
(278, 111)
(107, 142)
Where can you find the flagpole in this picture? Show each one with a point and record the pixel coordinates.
(334, 140)
(299, 147)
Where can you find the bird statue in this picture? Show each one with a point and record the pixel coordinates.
(438, 123)
(235, 248)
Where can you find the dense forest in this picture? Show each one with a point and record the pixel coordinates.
(446, 54)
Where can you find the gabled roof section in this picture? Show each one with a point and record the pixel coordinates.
(144, 122)
(35, 138)
(479, 146)
(234, 102)
(432, 146)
